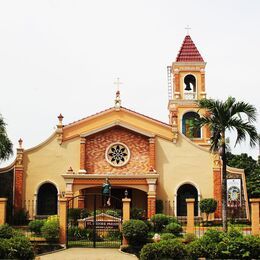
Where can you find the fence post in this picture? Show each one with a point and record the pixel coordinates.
(190, 215)
(3, 202)
(255, 216)
(126, 214)
(63, 220)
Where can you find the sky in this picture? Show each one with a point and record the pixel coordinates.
(64, 56)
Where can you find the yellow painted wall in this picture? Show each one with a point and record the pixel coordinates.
(48, 162)
(182, 163)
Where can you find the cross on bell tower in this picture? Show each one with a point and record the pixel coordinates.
(188, 74)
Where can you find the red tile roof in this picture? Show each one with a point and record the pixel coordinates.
(188, 51)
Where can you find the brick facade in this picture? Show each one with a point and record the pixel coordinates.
(97, 144)
(151, 207)
(18, 203)
(217, 191)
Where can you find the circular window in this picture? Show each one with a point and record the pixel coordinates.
(117, 154)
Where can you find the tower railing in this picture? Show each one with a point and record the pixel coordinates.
(190, 95)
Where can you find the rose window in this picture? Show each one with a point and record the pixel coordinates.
(117, 154)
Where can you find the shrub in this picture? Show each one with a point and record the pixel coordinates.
(6, 231)
(36, 225)
(208, 206)
(21, 217)
(74, 215)
(16, 248)
(216, 244)
(135, 231)
(4, 248)
(84, 213)
(169, 249)
(21, 248)
(50, 229)
(138, 213)
(207, 246)
(76, 233)
(189, 237)
(159, 206)
(174, 228)
(149, 225)
(114, 235)
(160, 221)
(114, 213)
(99, 236)
(167, 236)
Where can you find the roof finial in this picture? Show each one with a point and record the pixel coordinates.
(117, 100)
(188, 28)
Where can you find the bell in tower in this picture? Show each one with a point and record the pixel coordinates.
(188, 74)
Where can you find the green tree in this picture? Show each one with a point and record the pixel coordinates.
(252, 171)
(208, 206)
(6, 147)
(226, 116)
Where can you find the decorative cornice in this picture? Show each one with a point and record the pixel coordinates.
(111, 176)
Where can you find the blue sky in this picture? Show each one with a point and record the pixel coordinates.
(63, 57)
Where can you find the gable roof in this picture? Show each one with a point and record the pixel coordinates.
(112, 109)
(124, 117)
(188, 51)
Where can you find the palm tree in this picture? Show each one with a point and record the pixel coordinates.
(222, 116)
(6, 147)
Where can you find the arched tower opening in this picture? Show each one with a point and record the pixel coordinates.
(190, 88)
(189, 127)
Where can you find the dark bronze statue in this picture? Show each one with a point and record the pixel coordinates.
(106, 193)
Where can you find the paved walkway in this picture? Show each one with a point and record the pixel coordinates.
(88, 254)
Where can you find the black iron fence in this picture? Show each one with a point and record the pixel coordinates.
(97, 223)
(238, 216)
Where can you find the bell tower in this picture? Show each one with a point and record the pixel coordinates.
(188, 86)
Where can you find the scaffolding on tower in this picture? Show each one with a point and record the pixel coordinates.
(169, 78)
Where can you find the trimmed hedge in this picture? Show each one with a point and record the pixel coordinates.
(174, 228)
(135, 231)
(168, 249)
(160, 221)
(167, 236)
(219, 245)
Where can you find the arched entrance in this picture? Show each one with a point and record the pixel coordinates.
(47, 199)
(184, 192)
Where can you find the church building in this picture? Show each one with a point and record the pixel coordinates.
(153, 160)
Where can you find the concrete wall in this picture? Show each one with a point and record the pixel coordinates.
(47, 162)
(182, 163)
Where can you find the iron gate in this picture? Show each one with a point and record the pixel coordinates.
(94, 220)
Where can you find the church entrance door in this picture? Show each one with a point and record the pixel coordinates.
(186, 191)
(94, 220)
(47, 200)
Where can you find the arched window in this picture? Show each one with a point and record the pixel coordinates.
(47, 199)
(186, 191)
(190, 87)
(188, 125)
